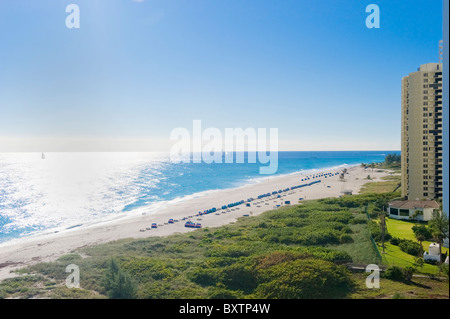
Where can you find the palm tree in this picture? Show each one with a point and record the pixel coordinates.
(439, 229)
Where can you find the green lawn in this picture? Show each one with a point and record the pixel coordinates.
(403, 229)
(394, 256)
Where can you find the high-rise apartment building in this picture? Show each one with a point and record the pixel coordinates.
(422, 133)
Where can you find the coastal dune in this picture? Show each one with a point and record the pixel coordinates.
(29, 250)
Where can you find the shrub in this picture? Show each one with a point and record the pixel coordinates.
(422, 231)
(395, 241)
(232, 250)
(399, 274)
(356, 221)
(345, 238)
(304, 279)
(144, 269)
(419, 262)
(222, 293)
(238, 277)
(204, 277)
(277, 257)
(409, 247)
(444, 269)
(431, 261)
(118, 285)
(70, 258)
(408, 273)
(394, 273)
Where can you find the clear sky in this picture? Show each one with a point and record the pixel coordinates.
(135, 70)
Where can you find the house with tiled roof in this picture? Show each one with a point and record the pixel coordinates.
(412, 209)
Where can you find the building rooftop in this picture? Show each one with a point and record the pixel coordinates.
(408, 204)
(430, 67)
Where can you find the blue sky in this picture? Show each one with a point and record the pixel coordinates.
(135, 70)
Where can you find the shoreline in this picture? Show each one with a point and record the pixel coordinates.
(21, 252)
(167, 203)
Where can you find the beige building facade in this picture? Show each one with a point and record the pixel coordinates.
(422, 133)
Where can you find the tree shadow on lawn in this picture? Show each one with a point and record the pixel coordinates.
(417, 284)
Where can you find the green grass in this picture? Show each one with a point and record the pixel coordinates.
(418, 288)
(394, 256)
(389, 185)
(403, 229)
(361, 249)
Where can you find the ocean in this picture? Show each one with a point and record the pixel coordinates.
(66, 190)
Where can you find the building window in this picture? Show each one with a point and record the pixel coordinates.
(425, 171)
(393, 211)
(404, 212)
(425, 91)
(425, 194)
(425, 183)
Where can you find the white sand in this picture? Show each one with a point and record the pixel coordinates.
(41, 248)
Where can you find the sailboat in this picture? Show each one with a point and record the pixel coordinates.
(43, 156)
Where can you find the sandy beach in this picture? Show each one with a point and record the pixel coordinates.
(47, 247)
